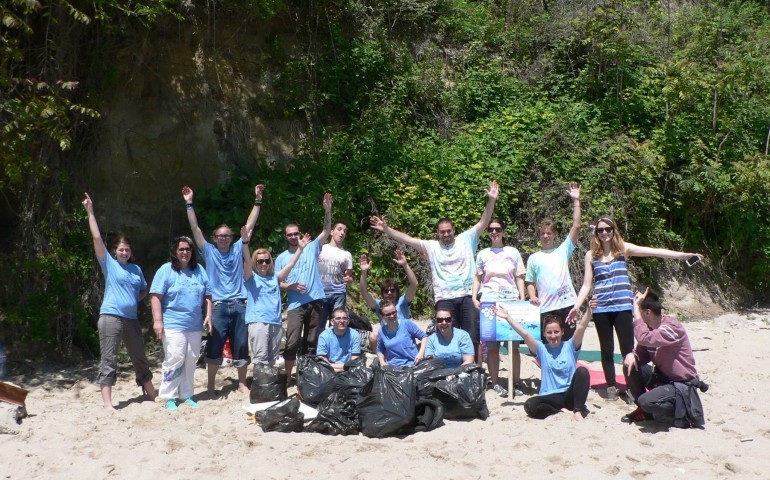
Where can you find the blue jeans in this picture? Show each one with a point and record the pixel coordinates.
(229, 321)
(332, 302)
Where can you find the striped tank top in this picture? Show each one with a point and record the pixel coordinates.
(612, 286)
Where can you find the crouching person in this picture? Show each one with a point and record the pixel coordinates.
(339, 344)
(671, 388)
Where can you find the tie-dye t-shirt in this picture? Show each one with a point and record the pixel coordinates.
(549, 271)
(499, 268)
(452, 268)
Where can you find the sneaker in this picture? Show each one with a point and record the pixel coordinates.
(192, 403)
(500, 391)
(171, 405)
(612, 393)
(637, 415)
(518, 389)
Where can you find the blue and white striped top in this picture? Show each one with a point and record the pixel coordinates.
(612, 286)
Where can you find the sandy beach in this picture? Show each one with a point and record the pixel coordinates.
(68, 433)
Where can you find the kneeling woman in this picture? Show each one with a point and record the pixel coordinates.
(450, 344)
(396, 342)
(563, 384)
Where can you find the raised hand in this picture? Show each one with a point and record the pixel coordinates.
(399, 257)
(187, 193)
(88, 204)
(328, 199)
(639, 297)
(493, 189)
(574, 191)
(258, 191)
(378, 223)
(500, 311)
(304, 241)
(245, 234)
(364, 262)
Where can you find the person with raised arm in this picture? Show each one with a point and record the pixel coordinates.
(562, 383)
(452, 263)
(389, 291)
(607, 272)
(263, 294)
(670, 390)
(499, 277)
(124, 288)
(335, 265)
(224, 267)
(305, 290)
(549, 283)
(179, 295)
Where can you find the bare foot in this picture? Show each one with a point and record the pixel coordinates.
(243, 388)
(577, 416)
(108, 407)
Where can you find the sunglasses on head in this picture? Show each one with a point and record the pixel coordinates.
(264, 261)
(604, 229)
(443, 319)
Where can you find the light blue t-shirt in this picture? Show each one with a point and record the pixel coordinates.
(557, 366)
(182, 294)
(305, 271)
(453, 268)
(339, 349)
(451, 351)
(398, 347)
(549, 271)
(122, 286)
(263, 300)
(402, 307)
(225, 271)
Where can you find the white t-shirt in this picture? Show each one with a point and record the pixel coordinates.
(452, 268)
(499, 268)
(332, 264)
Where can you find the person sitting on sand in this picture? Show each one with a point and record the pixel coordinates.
(673, 383)
(339, 344)
(563, 384)
(395, 345)
(450, 343)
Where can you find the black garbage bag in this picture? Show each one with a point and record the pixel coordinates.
(283, 417)
(358, 322)
(312, 376)
(386, 404)
(462, 392)
(336, 416)
(429, 413)
(423, 374)
(269, 384)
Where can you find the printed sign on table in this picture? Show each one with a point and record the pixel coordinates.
(493, 328)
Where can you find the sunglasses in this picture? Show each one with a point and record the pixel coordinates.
(184, 249)
(604, 229)
(389, 289)
(495, 229)
(391, 314)
(292, 234)
(223, 235)
(443, 319)
(264, 261)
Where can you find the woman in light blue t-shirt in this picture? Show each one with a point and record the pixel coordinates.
(124, 288)
(449, 343)
(395, 345)
(562, 383)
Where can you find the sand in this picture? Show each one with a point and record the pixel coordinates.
(68, 434)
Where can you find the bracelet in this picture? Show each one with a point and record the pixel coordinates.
(257, 202)
(189, 206)
(245, 243)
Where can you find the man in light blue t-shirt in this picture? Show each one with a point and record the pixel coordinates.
(339, 344)
(452, 263)
(305, 290)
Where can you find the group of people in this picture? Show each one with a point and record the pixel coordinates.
(238, 297)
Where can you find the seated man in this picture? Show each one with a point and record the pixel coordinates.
(674, 383)
(339, 344)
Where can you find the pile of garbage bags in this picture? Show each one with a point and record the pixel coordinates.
(377, 401)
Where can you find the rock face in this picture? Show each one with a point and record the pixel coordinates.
(184, 107)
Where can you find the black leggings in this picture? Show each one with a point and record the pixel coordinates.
(623, 323)
(543, 406)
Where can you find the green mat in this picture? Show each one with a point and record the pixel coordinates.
(587, 355)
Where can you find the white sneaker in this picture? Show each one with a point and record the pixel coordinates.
(500, 391)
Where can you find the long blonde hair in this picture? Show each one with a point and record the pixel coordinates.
(617, 245)
(262, 251)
